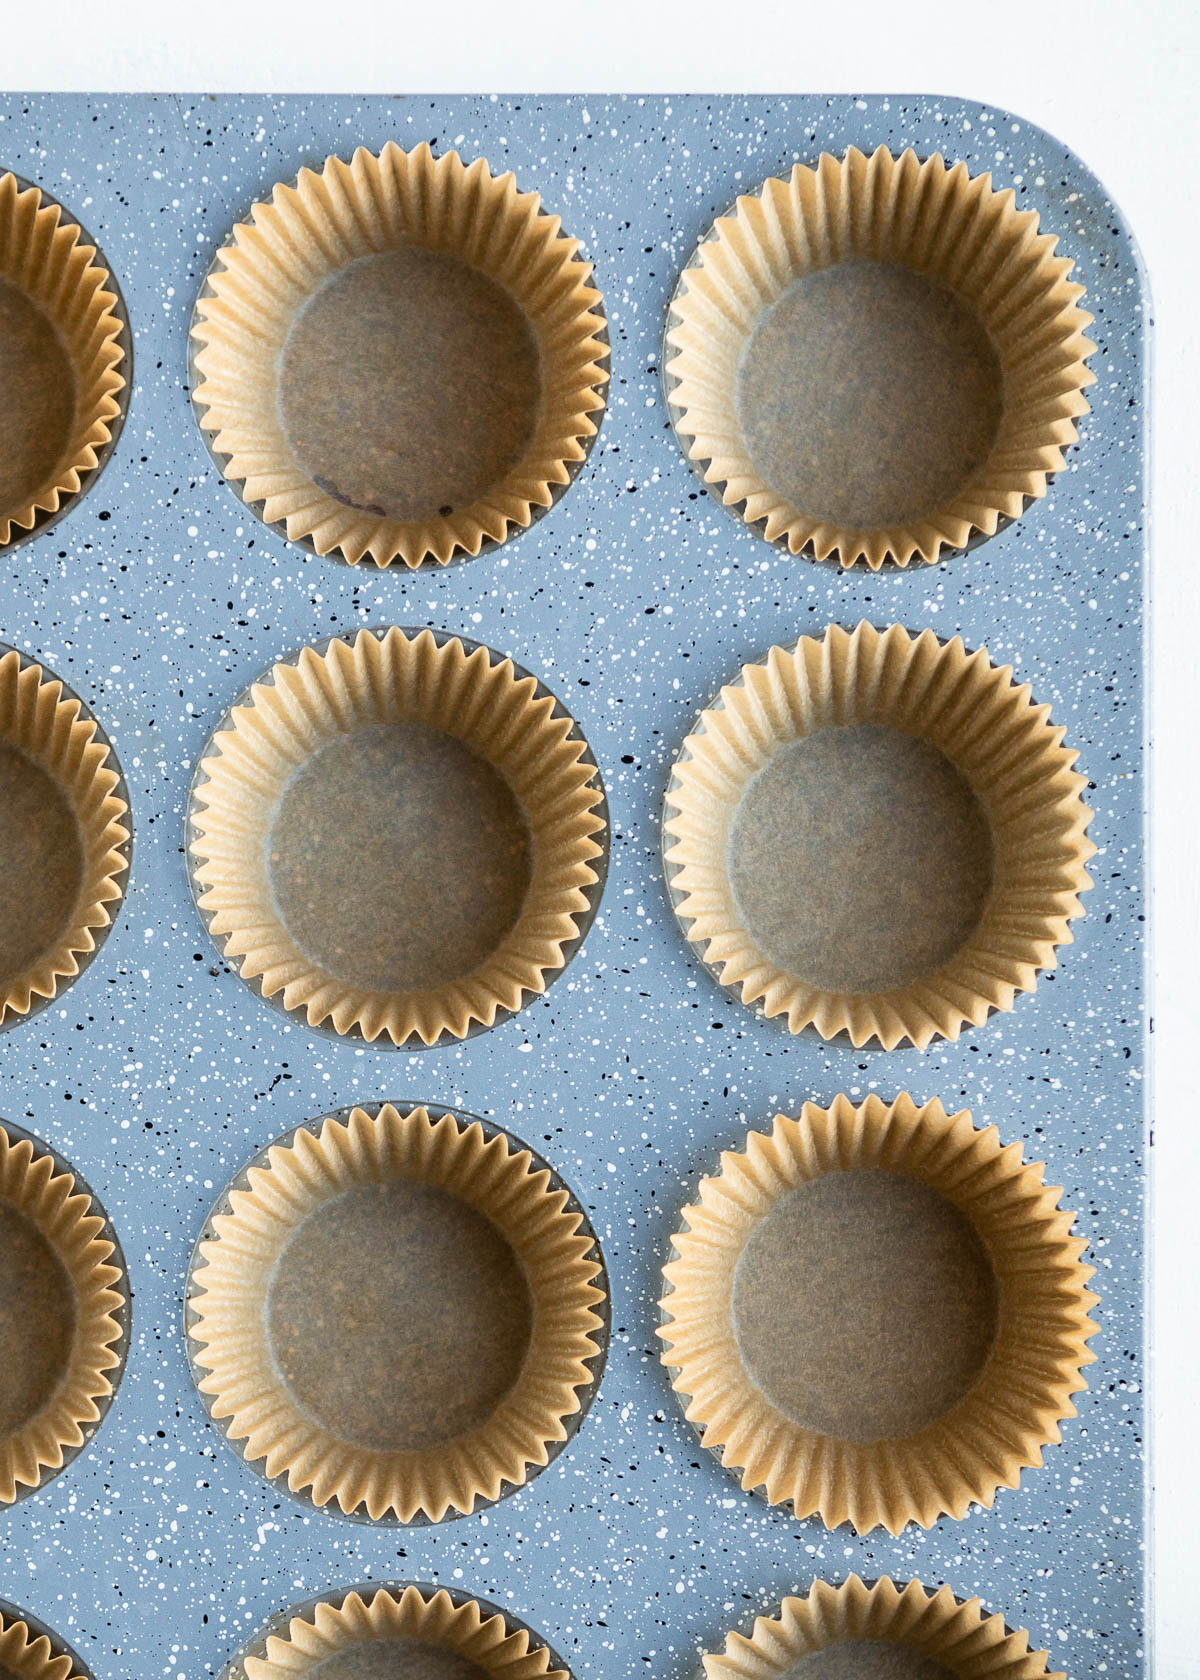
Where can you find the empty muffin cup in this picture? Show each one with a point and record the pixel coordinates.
(402, 835)
(876, 835)
(399, 1312)
(877, 1314)
(63, 359)
(401, 358)
(879, 1631)
(374, 1631)
(877, 359)
(63, 1314)
(64, 836)
(30, 1651)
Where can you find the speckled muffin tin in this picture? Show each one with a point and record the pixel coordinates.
(159, 597)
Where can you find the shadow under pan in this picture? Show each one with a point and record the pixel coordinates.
(860, 859)
(398, 858)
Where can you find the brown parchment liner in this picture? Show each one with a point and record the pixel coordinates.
(469, 1628)
(985, 724)
(54, 729)
(30, 1655)
(378, 679)
(290, 247)
(43, 257)
(229, 1303)
(931, 217)
(962, 1636)
(32, 1183)
(1020, 1397)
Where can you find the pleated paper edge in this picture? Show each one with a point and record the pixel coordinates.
(958, 1633)
(917, 1479)
(238, 906)
(58, 732)
(966, 990)
(478, 1632)
(269, 1431)
(730, 475)
(103, 370)
(275, 485)
(71, 1222)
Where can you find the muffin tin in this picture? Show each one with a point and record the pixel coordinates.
(635, 597)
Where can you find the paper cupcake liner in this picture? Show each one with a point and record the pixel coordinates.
(988, 261)
(291, 247)
(53, 274)
(1013, 1405)
(48, 1215)
(29, 1651)
(65, 757)
(474, 1629)
(985, 730)
(464, 693)
(935, 1625)
(549, 1244)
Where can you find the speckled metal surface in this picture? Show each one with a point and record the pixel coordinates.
(156, 1553)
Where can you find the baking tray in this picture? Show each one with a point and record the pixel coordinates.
(158, 1552)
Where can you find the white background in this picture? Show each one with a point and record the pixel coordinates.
(1120, 83)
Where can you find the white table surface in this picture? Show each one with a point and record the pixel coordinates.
(1120, 83)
